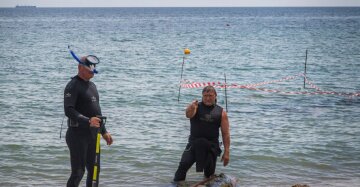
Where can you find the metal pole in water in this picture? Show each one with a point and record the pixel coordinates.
(306, 52)
(225, 94)
(182, 69)
(186, 52)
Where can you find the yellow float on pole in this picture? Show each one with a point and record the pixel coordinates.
(186, 52)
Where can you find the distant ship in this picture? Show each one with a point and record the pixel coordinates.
(25, 7)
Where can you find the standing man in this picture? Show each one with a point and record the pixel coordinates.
(206, 118)
(82, 107)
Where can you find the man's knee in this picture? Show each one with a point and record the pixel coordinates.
(78, 172)
(75, 178)
(77, 175)
(180, 174)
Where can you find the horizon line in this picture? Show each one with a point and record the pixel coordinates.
(185, 6)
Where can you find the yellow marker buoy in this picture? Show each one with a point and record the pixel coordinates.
(186, 51)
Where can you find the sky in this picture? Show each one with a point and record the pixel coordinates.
(179, 3)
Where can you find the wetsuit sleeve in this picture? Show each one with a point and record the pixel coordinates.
(71, 94)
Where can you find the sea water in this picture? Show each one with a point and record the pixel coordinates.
(276, 139)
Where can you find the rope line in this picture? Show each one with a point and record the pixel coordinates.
(253, 86)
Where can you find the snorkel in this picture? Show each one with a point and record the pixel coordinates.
(91, 60)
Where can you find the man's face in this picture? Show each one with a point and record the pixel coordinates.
(208, 98)
(86, 72)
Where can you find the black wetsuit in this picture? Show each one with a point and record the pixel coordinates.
(203, 146)
(81, 102)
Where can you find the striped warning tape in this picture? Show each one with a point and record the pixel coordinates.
(309, 93)
(311, 84)
(189, 84)
(275, 81)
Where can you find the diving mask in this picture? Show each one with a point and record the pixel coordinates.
(90, 61)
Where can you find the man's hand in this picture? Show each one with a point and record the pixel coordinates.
(95, 122)
(107, 137)
(191, 109)
(195, 104)
(225, 158)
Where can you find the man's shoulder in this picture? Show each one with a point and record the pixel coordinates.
(92, 84)
(218, 106)
(72, 83)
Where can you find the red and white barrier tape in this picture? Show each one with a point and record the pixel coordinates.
(275, 81)
(188, 84)
(311, 84)
(356, 94)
